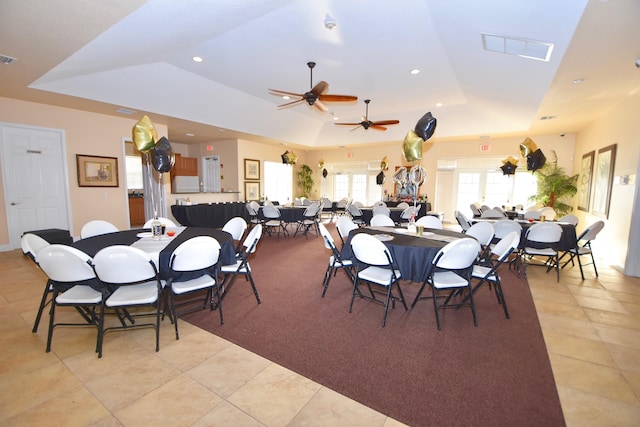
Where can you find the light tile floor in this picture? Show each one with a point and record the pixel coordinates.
(591, 327)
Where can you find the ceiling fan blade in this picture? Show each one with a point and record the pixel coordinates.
(359, 126)
(289, 104)
(386, 122)
(321, 88)
(320, 106)
(349, 124)
(338, 98)
(282, 92)
(377, 127)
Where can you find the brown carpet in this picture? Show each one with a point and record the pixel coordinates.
(495, 374)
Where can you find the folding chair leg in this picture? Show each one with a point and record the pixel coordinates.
(43, 304)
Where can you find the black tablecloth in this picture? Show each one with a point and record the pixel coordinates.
(92, 245)
(425, 206)
(567, 239)
(288, 213)
(213, 215)
(412, 254)
(367, 214)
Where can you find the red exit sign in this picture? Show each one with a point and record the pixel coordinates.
(485, 147)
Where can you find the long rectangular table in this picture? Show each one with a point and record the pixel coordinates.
(213, 215)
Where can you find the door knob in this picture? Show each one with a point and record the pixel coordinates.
(13, 203)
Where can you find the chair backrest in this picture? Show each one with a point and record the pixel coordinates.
(381, 220)
(359, 204)
(592, 231)
(342, 203)
(97, 227)
(532, 214)
(506, 245)
(312, 210)
(544, 232)
(235, 226)
(32, 244)
(429, 221)
(344, 226)
(255, 205)
(354, 210)
(462, 220)
(475, 209)
(381, 210)
(548, 212)
(532, 208)
(482, 231)
(569, 219)
(166, 221)
(250, 210)
(484, 208)
(369, 250)
(492, 213)
(406, 214)
(457, 255)
(403, 205)
(251, 241)
(197, 253)
(271, 212)
(505, 226)
(268, 203)
(379, 203)
(121, 264)
(64, 264)
(329, 243)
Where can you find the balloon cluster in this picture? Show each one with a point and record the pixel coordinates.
(289, 158)
(321, 166)
(384, 165)
(412, 144)
(535, 158)
(159, 150)
(416, 176)
(509, 166)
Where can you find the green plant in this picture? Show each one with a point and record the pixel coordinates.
(305, 180)
(555, 187)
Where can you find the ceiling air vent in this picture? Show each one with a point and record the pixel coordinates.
(4, 59)
(524, 48)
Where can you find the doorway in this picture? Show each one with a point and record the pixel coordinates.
(34, 176)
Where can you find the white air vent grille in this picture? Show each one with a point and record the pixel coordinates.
(524, 48)
(4, 59)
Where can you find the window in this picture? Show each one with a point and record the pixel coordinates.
(278, 179)
(133, 165)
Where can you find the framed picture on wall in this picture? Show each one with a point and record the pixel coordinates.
(97, 171)
(251, 190)
(605, 164)
(251, 169)
(586, 176)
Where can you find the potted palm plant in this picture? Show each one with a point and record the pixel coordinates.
(555, 187)
(305, 180)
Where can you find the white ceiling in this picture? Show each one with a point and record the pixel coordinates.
(136, 54)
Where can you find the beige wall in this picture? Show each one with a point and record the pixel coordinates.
(619, 126)
(85, 133)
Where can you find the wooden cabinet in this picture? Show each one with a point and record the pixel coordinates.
(185, 166)
(136, 211)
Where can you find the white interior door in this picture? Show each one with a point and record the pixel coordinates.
(34, 178)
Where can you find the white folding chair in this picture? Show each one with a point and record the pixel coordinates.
(569, 219)
(356, 214)
(451, 272)
(273, 221)
(97, 227)
(541, 240)
(71, 276)
(375, 266)
(548, 213)
(134, 276)
(464, 223)
(579, 250)
(31, 245)
(483, 232)
(241, 266)
(344, 225)
(381, 220)
(429, 221)
(236, 226)
(192, 268)
(493, 213)
(489, 273)
(310, 218)
(381, 210)
(335, 260)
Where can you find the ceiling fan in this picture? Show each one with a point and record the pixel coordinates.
(366, 123)
(316, 96)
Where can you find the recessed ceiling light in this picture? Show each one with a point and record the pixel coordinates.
(220, 130)
(125, 111)
(415, 71)
(547, 117)
(578, 81)
(484, 136)
(197, 59)
(286, 97)
(190, 134)
(438, 104)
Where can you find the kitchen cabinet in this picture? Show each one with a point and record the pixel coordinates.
(185, 166)
(136, 211)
